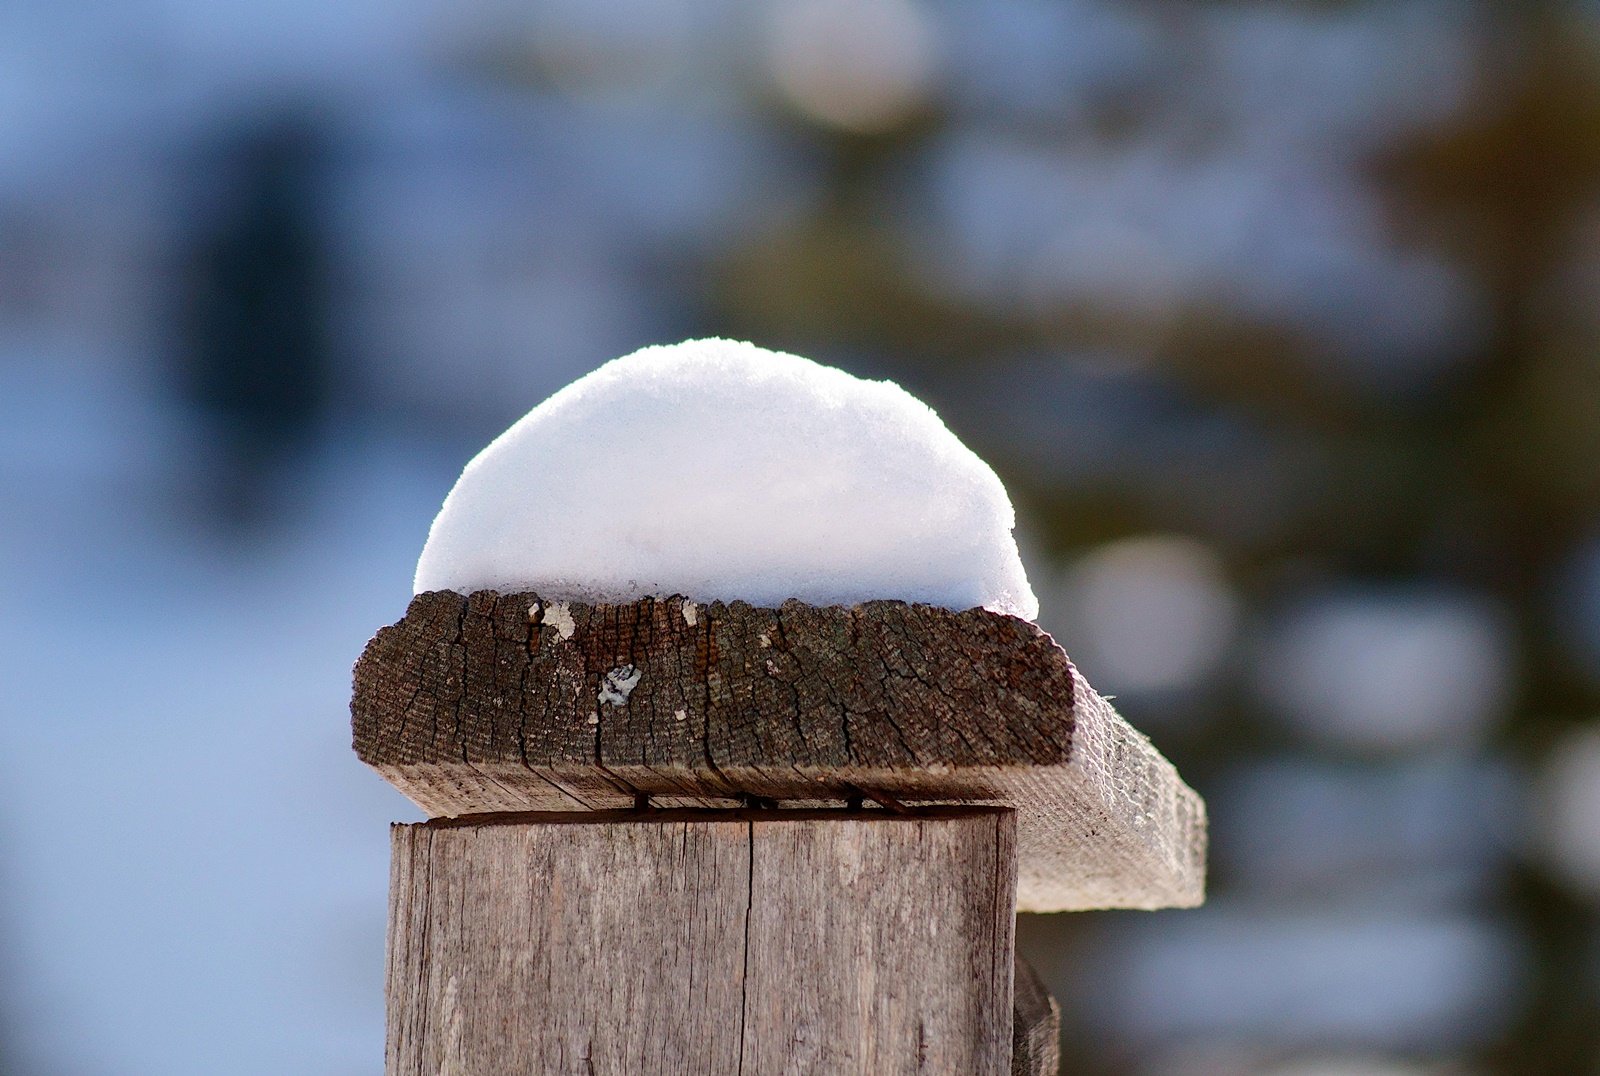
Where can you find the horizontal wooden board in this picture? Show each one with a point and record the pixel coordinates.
(494, 702)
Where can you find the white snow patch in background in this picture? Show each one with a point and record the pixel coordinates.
(719, 470)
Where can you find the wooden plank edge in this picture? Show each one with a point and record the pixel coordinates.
(1085, 839)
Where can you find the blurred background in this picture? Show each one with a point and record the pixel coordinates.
(1280, 320)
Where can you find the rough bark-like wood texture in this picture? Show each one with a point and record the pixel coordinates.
(740, 943)
(1036, 1026)
(511, 703)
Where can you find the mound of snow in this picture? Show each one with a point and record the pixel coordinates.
(719, 470)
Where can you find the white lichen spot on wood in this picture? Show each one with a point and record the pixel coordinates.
(616, 685)
(559, 616)
(680, 715)
(766, 641)
(691, 613)
(594, 719)
(772, 667)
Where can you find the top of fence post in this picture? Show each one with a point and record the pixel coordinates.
(491, 702)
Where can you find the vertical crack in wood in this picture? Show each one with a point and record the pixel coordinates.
(749, 911)
(423, 850)
(1006, 905)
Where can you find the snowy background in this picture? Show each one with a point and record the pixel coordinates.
(1280, 320)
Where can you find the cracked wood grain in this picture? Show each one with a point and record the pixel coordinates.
(744, 943)
(488, 679)
(510, 702)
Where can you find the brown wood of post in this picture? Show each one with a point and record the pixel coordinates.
(724, 839)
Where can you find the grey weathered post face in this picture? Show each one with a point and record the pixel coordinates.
(716, 942)
(673, 837)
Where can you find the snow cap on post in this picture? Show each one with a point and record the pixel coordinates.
(710, 575)
(719, 470)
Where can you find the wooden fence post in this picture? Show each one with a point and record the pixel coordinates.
(669, 838)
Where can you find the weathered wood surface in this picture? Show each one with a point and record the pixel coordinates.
(511, 703)
(1036, 1025)
(741, 943)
